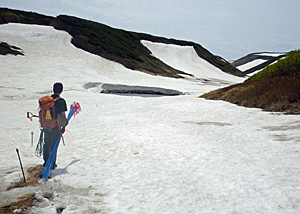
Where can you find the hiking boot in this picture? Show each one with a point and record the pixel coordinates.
(53, 167)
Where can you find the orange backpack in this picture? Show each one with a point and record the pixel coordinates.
(47, 112)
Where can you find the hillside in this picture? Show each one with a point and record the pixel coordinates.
(275, 88)
(254, 62)
(114, 44)
(131, 153)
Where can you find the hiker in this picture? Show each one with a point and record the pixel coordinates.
(51, 135)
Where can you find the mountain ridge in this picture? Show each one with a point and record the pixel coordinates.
(114, 44)
(258, 60)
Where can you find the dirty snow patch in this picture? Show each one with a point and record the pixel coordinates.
(107, 88)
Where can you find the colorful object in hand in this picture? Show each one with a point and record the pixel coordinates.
(74, 110)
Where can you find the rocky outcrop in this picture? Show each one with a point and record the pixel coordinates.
(9, 49)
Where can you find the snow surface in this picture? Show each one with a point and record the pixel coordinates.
(185, 58)
(270, 54)
(142, 154)
(251, 64)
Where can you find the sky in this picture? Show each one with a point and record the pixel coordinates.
(228, 28)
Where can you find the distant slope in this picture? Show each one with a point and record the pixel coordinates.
(275, 88)
(114, 44)
(255, 62)
(185, 58)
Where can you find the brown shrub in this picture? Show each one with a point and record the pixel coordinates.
(280, 93)
(23, 204)
(26, 201)
(34, 174)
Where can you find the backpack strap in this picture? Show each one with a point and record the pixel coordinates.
(59, 128)
(54, 100)
(57, 98)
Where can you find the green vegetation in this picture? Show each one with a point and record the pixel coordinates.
(275, 88)
(8, 15)
(269, 61)
(116, 42)
(286, 66)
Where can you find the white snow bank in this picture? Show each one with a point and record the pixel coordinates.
(270, 54)
(251, 64)
(185, 58)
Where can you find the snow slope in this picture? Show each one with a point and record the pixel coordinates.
(251, 64)
(136, 153)
(185, 58)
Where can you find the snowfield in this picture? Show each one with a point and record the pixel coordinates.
(185, 58)
(270, 54)
(251, 64)
(135, 153)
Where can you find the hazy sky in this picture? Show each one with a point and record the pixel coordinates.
(228, 28)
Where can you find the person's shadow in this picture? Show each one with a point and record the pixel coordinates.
(56, 172)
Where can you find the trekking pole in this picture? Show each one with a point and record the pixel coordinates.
(32, 138)
(21, 165)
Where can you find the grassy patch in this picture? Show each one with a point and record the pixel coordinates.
(32, 178)
(276, 88)
(277, 94)
(286, 66)
(18, 16)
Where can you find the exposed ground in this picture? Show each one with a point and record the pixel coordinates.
(25, 201)
(9, 49)
(277, 94)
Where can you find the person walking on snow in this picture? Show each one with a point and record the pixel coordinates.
(51, 135)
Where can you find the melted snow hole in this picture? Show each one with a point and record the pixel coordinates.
(126, 89)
